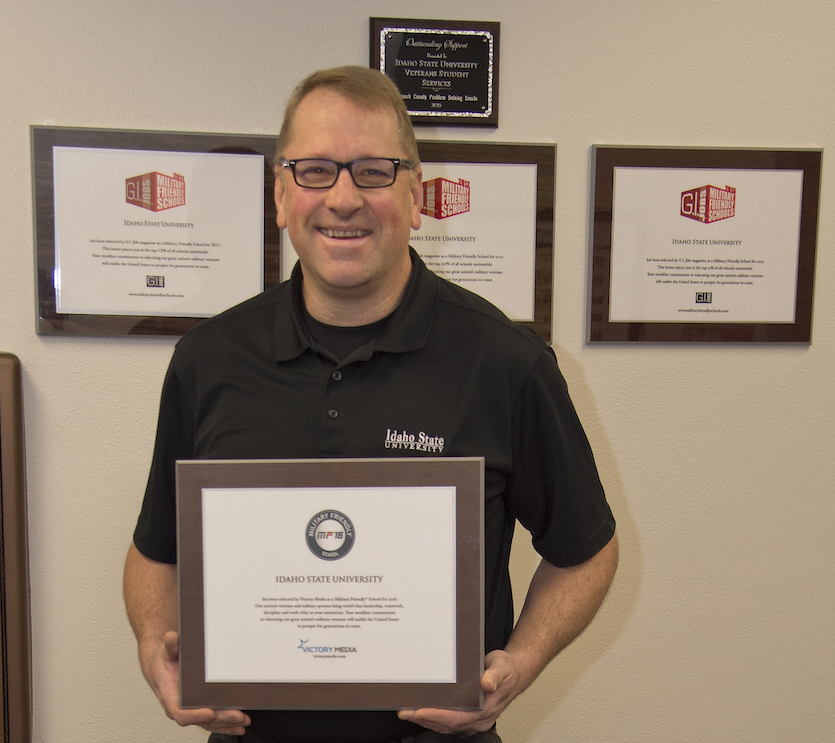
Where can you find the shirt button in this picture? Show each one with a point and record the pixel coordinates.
(336, 376)
(333, 413)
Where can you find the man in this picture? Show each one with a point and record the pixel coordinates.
(363, 339)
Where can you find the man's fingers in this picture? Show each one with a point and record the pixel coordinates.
(490, 681)
(231, 717)
(229, 721)
(496, 671)
(171, 640)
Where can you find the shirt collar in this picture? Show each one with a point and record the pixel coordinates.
(407, 329)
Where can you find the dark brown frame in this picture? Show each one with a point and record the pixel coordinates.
(465, 473)
(376, 26)
(49, 321)
(606, 158)
(15, 642)
(544, 156)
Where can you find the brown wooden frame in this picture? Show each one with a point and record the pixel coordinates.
(15, 639)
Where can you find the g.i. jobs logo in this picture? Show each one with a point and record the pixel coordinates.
(156, 191)
(709, 203)
(443, 198)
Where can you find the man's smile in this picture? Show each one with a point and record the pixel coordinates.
(344, 233)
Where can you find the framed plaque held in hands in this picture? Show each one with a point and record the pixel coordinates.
(331, 583)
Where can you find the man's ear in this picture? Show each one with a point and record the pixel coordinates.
(278, 192)
(417, 196)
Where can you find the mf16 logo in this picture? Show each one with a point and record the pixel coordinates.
(156, 191)
(708, 203)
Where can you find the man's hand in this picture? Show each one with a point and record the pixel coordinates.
(499, 683)
(151, 602)
(559, 605)
(161, 666)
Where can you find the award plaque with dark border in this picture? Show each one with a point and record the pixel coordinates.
(703, 245)
(446, 71)
(543, 157)
(130, 249)
(322, 584)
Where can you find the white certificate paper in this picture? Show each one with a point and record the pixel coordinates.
(171, 234)
(490, 248)
(481, 234)
(667, 266)
(379, 607)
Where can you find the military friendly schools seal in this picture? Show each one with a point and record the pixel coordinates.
(330, 535)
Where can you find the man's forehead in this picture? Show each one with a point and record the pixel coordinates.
(330, 104)
(325, 114)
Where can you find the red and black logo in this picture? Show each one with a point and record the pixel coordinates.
(443, 198)
(709, 203)
(155, 191)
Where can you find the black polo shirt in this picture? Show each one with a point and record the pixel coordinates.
(448, 375)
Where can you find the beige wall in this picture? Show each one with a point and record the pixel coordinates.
(719, 461)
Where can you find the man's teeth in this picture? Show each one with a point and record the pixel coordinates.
(341, 233)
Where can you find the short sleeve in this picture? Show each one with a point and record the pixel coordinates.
(155, 535)
(555, 490)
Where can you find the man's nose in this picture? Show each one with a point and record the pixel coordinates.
(344, 195)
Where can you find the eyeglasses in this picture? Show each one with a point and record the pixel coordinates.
(367, 172)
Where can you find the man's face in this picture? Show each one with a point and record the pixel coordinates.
(352, 242)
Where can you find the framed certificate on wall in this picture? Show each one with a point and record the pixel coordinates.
(140, 232)
(711, 245)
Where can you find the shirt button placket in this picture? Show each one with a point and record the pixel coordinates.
(333, 413)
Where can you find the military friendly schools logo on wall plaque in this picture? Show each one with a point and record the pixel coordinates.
(156, 191)
(443, 198)
(330, 535)
(708, 203)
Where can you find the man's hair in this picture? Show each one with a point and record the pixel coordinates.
(365, 87)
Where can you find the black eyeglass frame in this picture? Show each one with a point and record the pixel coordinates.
(396, 161)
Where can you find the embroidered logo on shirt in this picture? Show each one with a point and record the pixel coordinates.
(416, 442)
